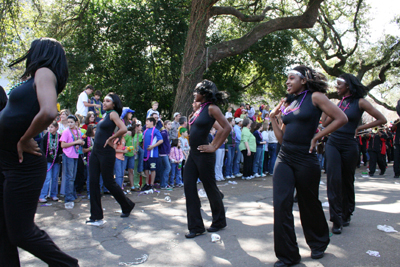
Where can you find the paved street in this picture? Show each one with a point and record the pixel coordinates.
(156, 228)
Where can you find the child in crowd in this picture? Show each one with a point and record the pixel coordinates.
(151, 140)
(88, 138)
(230, 151)
(138, 154)
(130, 155)
(228, 114)
(184, 145)
(258, 157)
(70, 143)
(51, 144)
(219, 161)
(154, 107)
(119, 166)
(244, 114)
(164, 150)
(176, 157)
(98, 111)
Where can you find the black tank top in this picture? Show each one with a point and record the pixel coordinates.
(353, 114)
(200, 129)
(105, 129)
(301, 124)
(16, 117)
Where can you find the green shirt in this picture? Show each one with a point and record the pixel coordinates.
(128, 142)
(248, 137)
(137, 138)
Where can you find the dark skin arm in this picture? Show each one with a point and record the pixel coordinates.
(121, 126)
(223, 131)
(45, 83)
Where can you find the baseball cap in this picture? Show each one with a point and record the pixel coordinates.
(237, 120)
(176, 114)
(138, 122)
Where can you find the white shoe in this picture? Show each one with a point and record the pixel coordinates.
(257, 175)
(222, 179)
(96, 223)
(248, 178)
(218, 180)
(244, 178)
(69, 205)
(55, 198)
(239, 174)
(263, 175)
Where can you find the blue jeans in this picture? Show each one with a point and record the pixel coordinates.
(236, 159)
(272, 157)
(321, 160)
(50, 186)
(119, 171)
(229, 160)
(165, 170)
(175, 173)
(70, 167)
(257, 164)
(140, 157)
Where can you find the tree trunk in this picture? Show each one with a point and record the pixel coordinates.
(193, 65)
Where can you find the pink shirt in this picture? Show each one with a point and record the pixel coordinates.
(121, 146)
(67, 138)
(176, 154)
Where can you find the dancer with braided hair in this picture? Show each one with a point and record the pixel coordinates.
(297, 164)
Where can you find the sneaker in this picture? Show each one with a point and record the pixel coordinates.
(179, 185)
(145, 187)
(168, 187)
(239, 174)
(256, 175)
(263, 175)
(222, 179)
(69, 205)
(251, 177)
(42, 200)
(248, 178)
(55, 198)
(244, 178)
(95, 223)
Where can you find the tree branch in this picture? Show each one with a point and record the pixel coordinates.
(221, 10)
(381, 103)
(237, 46)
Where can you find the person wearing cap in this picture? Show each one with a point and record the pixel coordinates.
(83, 103)
(98, 111)
(138, 155)
(126, 116)
(237, 156)
(154, 107)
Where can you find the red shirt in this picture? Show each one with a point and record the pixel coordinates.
(86, 125)
(238, 112)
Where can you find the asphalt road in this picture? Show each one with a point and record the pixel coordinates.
(154, 233)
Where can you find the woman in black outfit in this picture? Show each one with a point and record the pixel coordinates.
(297, 164)
(102, 161)
(31, 108)
(201, 160)
(341, 151)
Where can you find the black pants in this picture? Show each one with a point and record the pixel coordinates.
(102, 161)
(20, 186)
(296, 168)
(396, 160)
(362, 151)
(202, 165)
(247, 164)
(341, 162)
(80, 179)
(265, 163)
(376, 157)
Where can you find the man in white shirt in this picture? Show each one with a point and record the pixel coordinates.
(83, 104)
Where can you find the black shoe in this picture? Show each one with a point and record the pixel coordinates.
(124, 215)
(336, 229)
(213, 229)
(346, 222)
(145, 187)
(370, 174)
(193, 234)
(282, 264)
(381, 173)
(317, 255)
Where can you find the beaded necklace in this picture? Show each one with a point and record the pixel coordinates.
(74, 138)
(50, 148)
(347, 106)
(15, 86)
(151, 141)
(286, 112)
(192, 120)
